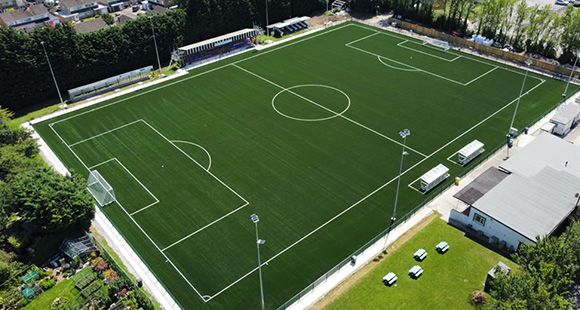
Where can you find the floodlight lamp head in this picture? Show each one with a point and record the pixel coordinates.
(576, 195)
(405, 153)
(261, 241)
(42, 42)
(255, 218)
(406, 132)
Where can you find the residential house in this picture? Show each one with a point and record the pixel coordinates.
(27, 19)
(114, 5)
(76, 10)
(90, 25)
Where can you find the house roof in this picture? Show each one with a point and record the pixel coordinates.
(501, 267)
(532, 206)
(90, 25)
(72, 3)
(566, 114)
(481, 185)
(159, 9)
(30, 11)
(545, 150)
(123, 19)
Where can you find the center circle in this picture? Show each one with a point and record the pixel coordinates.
(313, 102)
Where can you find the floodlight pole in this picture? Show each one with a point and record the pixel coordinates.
(267, 29)
(259, 241)
(51, 72)
(155, 42)
(528, 63)
(404, 134)
(570, 77)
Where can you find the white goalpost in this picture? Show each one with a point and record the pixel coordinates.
(436, 42)
(100, 189)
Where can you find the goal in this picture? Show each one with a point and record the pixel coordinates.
(436, 42)
(100, 189)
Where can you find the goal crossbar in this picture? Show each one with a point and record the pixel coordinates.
(436, 42)
(101, 190)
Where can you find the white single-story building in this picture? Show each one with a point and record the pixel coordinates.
(566, 119)
(531, 195)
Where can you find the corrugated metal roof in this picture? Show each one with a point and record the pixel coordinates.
(545, 150)
(532, 206)
(567, 114)
(216, 39)
(471, 148)
(434, 173)
(288, 22)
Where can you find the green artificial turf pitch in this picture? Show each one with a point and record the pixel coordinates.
(306, 135)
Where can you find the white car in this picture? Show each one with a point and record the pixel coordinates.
(562, 2)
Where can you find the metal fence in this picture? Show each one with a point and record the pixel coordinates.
(438, 191)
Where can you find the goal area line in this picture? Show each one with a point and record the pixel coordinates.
(207, 298)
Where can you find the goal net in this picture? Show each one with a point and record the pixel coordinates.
(436, 42)
(100, 189)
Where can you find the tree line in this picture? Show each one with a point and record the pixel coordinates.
(532, 28)
(37, 205)
(79, 59)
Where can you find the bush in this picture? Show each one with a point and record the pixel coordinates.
(67, 273)
(5, 272)
(101, 266)
(95, 261)
(47, 283)
(479, 298)
(23, 302)
(111, 275)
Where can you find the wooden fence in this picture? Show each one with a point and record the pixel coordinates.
(557, 70)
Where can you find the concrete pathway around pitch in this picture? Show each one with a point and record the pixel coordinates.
(445, 202)
(364, 258)
(442, 204)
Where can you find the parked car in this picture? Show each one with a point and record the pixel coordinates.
(561, 2)
(136, 8)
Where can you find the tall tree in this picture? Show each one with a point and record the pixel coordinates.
(50, 201)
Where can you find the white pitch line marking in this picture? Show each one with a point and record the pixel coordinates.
(204, 227)
(329, 110)
(199, 146)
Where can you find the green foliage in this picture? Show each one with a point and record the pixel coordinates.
(47, 283)
(50, 201)
(5, 271)
(108, 19)
(549, 268)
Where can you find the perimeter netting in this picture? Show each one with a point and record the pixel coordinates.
(100, 189)
(436, 42)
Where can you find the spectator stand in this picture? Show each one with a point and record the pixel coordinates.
(288, 26)
(207, 50)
